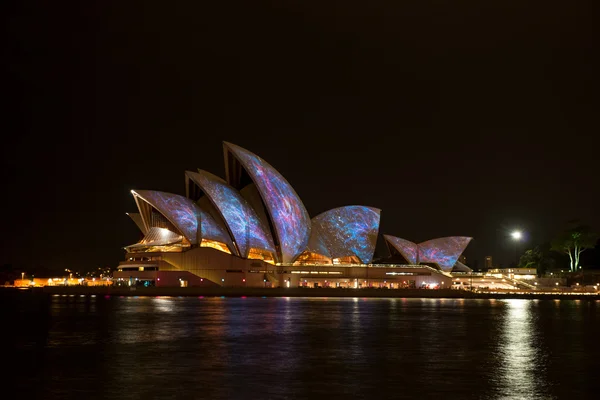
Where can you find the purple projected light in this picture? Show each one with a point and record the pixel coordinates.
(316, 243)
(408, 249)
(349, 231)
(210, 230)
(184, 214)
(443, 251)
(241, 219)
(288, 215)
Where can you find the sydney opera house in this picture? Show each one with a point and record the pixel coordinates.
(251, 229)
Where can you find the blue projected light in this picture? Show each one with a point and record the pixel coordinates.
(442, 251)
(209, 229)
(316, 244)
(185, 215)
(288, 215)
(241, 219)
(280, 223)
(349, 231)
(408, 249)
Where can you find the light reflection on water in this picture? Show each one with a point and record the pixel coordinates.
(521, 359)
(280, 348)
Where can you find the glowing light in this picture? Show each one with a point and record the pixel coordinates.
(288, 215)
(316, 244)
(406, 248)
(185, 215)
(516, 235)
(442, 251)
(349, 231)
(240, 218)
(164, 232)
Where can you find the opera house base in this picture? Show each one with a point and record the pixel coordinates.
(205, 267)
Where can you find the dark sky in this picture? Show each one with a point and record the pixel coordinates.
(454, 117)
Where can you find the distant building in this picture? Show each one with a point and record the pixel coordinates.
(61, 281)
(488, 262)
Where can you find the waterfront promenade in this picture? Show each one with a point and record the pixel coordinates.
(304, 292)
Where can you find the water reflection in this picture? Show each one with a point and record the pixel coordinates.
(284, 348)
(522, 359)
(163, 304)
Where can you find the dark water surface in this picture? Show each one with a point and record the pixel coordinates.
(300, 348)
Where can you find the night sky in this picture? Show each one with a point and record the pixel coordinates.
(454, 117)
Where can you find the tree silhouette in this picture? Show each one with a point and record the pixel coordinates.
(573, 241)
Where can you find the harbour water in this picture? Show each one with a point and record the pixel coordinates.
(84, 347)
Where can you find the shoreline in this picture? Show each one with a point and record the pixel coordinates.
(296, 292)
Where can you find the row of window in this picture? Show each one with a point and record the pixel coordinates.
(138, 269)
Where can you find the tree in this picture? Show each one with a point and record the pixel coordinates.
(539, 258)
(573, 242)
(531, 258)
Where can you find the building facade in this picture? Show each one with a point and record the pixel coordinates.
(515, 273)
(488, 262)
(252, 229)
